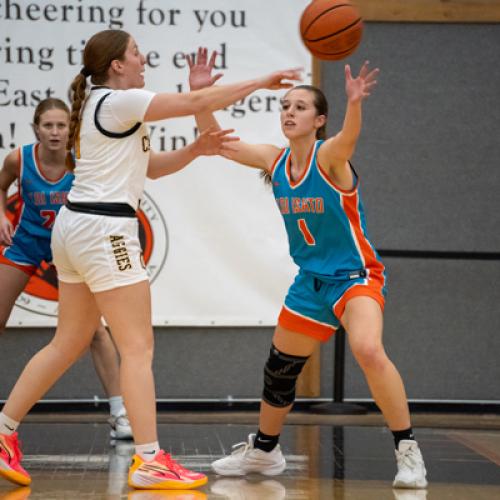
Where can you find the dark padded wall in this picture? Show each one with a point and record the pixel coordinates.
(442, 326)
(195, 363)
(429, 153)
(429, 158)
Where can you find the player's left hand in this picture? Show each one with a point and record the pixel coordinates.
(215, 142)
(359, 88)
(200, 69)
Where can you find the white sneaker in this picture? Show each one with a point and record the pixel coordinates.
(245, 459)
(120, 427)
(407, 494)
(241, 489)
(411, 469)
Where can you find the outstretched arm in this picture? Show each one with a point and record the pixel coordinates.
(209, 142)
(8, 175)
(166, 105)
(336, 151)
(200, 76)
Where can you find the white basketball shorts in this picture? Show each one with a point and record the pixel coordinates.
(102, 251)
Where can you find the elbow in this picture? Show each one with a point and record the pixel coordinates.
(152, 174)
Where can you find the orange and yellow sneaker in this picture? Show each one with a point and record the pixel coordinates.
(21, 493)
(170, 494)
(10, 460)
(162, 473)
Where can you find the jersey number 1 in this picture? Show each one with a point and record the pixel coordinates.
(308, 237)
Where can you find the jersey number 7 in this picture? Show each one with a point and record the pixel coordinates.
(49, 217)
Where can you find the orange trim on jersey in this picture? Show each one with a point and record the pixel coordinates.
(39, 167)
(19, 160)
(371, 290)
(306, 326)
(29, 269)
(326, 177)
(371, 262)
(16, 216)
(278, 158)
(288, 168)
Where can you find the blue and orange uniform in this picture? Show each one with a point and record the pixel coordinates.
(40, 201)
(328, 240)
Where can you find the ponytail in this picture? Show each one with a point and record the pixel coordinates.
(77, 92)
(100, 50)
(265, 176)
(321, 132)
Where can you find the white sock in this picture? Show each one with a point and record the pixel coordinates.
(147, 451)
(7, 425)
(116, 406)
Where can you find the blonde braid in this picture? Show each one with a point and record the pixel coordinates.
(78, 98)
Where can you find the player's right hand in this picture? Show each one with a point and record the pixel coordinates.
(277, 80)
(6, 231)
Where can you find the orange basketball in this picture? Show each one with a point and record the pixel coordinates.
(331, 29)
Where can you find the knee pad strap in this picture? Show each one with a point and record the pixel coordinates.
(280, 377)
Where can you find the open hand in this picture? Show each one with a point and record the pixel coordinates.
(359, 88)
(200, 69)
(215, 142)
(276, 80)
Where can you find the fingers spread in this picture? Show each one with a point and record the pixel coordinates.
(216, 77)
(364, 69)
(211, 63)
(372, 75)
(348, 75)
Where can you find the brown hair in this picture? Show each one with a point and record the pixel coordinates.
(46, 105)
(100, 50)
(321, 105)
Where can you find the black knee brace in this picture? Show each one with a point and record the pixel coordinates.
(280, 377)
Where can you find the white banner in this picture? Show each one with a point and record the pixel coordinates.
(214, 242)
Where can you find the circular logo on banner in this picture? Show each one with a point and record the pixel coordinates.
(40, 295)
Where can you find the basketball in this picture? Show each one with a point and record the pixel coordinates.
(331, 29)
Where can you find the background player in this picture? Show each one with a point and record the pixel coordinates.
(44, 182)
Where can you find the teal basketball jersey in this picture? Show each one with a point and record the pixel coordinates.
(326, 225)
(41, 197)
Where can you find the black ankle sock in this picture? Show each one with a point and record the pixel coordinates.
(265, 442)
(400, 435)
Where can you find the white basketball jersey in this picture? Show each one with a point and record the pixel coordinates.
(112, 152)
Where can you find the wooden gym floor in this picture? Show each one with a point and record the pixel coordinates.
(329, 457)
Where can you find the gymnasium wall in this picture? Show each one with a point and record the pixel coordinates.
(428, 159)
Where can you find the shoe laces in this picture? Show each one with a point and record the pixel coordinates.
(167, 459)
(19, 453)
(122, 420)
(408, 458)
(240, 448)
(16, 445)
